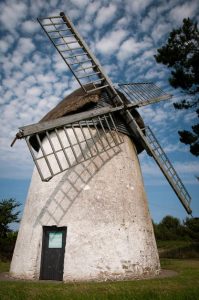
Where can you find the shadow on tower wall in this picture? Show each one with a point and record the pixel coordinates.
(70, 186)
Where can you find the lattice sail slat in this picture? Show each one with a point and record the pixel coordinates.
(142, 94)
(63, 147)
(151, 144)
(75, 53)
(169, 169)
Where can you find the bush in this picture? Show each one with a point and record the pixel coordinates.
(7, 245)
(8, 215)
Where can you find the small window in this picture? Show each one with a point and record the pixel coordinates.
(55, 240)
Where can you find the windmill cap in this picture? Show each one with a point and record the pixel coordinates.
(79, 101)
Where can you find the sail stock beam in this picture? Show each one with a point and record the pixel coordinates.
(63, 121)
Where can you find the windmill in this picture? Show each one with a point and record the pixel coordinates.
(86, 215)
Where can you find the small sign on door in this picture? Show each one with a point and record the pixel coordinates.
(55, 240)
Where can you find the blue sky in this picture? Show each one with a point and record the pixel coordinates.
(124, 35)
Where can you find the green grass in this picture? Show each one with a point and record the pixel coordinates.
(4, 266)
(172, 244)
(183, 286)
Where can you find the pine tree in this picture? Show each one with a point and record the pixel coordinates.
(181, 55)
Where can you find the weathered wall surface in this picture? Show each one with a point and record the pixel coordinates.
(103, 204)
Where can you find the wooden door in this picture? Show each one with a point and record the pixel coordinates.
(53, 249)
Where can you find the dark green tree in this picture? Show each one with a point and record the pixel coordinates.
(8, 214)
(170, 222)
(181, 55)
(170, 228)
(192, 228)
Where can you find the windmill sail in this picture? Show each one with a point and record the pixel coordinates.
(141, 94)
(168, 170)
(68, 141)
(154, 149)
(75, 53)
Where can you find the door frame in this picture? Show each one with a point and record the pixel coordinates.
(45, 229)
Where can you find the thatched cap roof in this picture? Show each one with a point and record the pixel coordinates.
(74, 102)
(79, 101)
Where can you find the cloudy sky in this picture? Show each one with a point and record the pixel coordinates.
(124, 35)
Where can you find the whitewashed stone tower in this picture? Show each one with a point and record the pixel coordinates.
(102, 205)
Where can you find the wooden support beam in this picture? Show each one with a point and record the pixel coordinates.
(48, 125)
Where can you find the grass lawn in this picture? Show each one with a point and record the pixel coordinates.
(4, 266)
(183, 286)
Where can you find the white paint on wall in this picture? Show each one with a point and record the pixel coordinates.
(103, 204)
(86, 188)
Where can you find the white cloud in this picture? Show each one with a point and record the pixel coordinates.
(75, 13)
(105, 15)
(11, 13)
(58, 64)
(132, 47)
(174, 147)
(146, 23)
(30, 26)
(28, 67)
(110, 43)
(80, 3)
(46, 78)
(154, 116)
(187, 167)
(154, 74)
(137, 6)
(85, 27)
(179, 12)
(190, 117)
(34, 91)
(5, 43)
(25, 46)
(31, 80)
(92, 9)
(150, 168)
(10, 83)
(110, 69)
(123, 22)
(3, 46)
(160, 30)
(153, 175)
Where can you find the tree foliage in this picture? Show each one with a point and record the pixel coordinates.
(170, 228)
(192, 227)
(8, 215)
(181, 55)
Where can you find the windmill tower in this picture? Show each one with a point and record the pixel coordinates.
(86, 215)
